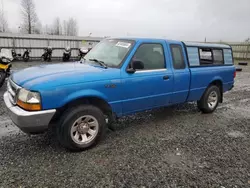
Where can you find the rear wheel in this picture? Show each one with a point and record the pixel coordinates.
(2, 77)
(210, 99)
(43, 58)
(81, 127)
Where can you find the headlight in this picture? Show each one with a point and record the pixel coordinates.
(29, 100)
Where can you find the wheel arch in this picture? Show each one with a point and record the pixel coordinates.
(97, 101)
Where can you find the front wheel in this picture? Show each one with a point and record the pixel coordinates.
(2, 77)
(81, 127)
(26, 58)
(210, 99)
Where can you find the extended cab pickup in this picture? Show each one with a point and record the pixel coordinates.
(117, 77)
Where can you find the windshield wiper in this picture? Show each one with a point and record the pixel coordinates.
(100, 62)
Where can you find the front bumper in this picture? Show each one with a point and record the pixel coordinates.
(29, 122)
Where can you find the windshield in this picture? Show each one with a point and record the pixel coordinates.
(110, 51)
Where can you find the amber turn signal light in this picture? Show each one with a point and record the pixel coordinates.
(29, 107)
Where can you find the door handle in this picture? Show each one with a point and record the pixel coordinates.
(165, 77)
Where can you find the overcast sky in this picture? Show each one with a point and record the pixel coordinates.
(227, 20)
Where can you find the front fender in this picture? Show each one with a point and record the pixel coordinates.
(81, 94)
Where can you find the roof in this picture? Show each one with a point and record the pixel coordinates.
(143, 38)
(211, 45)
(135, 38)
(196, 44)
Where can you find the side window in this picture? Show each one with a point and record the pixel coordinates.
(206, 56)
(177, 56)
(193, 56)
(218, 57)
(199, 56)
(151, 55)
(210, 56)
(228, 57)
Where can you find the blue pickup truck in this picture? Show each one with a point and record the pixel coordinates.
(118, 77)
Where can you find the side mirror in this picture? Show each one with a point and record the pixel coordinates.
(135, 65)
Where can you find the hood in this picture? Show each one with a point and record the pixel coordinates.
(62, 74)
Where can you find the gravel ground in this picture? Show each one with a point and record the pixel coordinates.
(169, 147)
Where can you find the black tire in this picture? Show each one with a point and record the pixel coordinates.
(243, 63)
(67, 121)
(2, 77)
(238, 69)
(110, 122)
(43, 58)
(26, 59)
(203, 103)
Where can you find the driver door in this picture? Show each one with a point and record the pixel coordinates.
(152, 86)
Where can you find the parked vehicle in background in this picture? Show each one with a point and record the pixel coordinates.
(47, 54)
(15, 55)
(5, 65)
(67, 54)
(118, 77)
(82, 52)
(6, 54)
(26, 55)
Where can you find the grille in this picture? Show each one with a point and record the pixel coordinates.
(12, 89)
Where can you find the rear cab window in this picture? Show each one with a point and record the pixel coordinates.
(177, 56)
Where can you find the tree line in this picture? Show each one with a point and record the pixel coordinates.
(31, 25)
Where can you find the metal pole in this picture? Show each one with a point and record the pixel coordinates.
(248, 47)
(13, 43)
